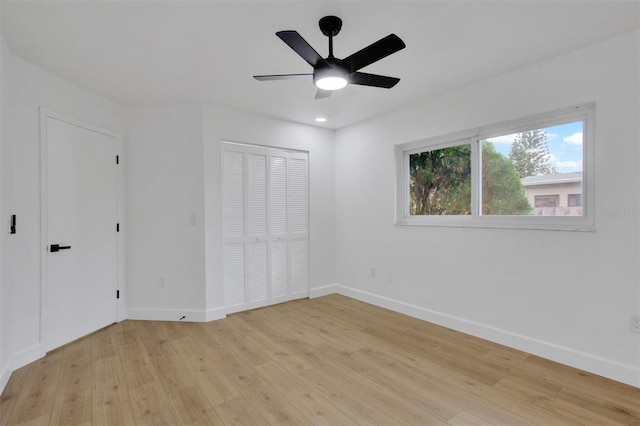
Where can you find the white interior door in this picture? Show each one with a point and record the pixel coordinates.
(80, 211)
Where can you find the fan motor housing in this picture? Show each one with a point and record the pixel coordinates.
(330, 25)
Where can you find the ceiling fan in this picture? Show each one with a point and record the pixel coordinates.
(331, 73)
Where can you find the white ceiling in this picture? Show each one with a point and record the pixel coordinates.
(160, 52)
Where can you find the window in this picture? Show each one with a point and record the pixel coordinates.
(547, 200)
(532, 173)
(440, 181)
(574, 200)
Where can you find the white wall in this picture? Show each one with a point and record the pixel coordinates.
(487, 282)
(4, 368)
(26, 88)
(222, 124)
(165, 211)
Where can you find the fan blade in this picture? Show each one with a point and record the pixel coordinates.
(283, 77)
(321, 94)
(375, 80)
(374, 52)
(300, 46)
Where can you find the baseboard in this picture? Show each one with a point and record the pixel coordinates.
(22, 358)
(215, 314)
(4, 379)
(614, 370)
(324, 290)
(185, 315)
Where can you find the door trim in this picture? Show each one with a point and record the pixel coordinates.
(44, 226)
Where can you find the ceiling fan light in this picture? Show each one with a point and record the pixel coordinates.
(331, 83)
(331, 77)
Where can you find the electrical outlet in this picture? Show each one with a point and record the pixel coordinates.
(634, 324)
(373, 271)
(389, 276)
(161, 282)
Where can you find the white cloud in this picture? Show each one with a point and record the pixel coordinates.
(509, 139)
(568, 166)
(503, 140)
(574, 139)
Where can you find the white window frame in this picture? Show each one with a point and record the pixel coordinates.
(586, 222)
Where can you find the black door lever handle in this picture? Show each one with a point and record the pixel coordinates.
(57, 247)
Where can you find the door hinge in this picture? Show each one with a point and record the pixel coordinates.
(117, 159)
(117, 227)
(117, 294)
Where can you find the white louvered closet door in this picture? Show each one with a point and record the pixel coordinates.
(279, 226)
(258, 238)
(234, 228)
(298, 173)
(266, 214)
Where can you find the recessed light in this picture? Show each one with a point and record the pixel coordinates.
(321, 119)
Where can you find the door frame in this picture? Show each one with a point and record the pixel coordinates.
(44, 225)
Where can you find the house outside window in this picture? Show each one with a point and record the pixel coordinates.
(558, 194)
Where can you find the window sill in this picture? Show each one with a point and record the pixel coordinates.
(509, 222)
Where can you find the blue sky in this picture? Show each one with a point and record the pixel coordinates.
(565, 146)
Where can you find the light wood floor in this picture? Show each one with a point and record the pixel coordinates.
(330, 360)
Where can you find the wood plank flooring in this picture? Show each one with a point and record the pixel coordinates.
(325, 361)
